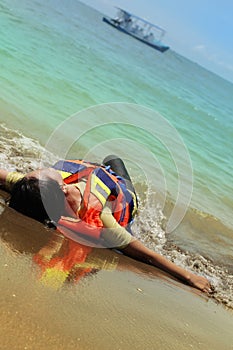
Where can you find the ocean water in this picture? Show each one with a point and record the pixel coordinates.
(71, 86)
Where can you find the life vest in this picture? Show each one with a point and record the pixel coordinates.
(102, 186)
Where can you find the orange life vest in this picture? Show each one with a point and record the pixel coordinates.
(102, 187)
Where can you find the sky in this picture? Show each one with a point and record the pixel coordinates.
(201, 30)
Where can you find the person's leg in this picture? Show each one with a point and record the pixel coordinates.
(118, 166)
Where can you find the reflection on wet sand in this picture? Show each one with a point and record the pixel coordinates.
(63, 260)
(60, 259)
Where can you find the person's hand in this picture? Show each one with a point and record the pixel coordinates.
(201, 283)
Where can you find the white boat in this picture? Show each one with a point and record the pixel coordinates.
(138, 28)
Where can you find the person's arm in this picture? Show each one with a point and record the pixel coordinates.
(117, 237)
(3, 175)
(9, 178)
(136, 250)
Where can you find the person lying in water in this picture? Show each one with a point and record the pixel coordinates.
(96, 201)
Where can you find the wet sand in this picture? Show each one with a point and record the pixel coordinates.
(124, 305)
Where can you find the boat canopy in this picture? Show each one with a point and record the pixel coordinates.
(147, 27)
(138, 28)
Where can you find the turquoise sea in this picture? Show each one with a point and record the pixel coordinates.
(73, 86)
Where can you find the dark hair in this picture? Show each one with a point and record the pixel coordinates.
(42, 200)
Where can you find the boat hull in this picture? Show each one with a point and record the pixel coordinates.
(158, 46)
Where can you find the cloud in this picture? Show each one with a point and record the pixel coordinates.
(199, 48)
